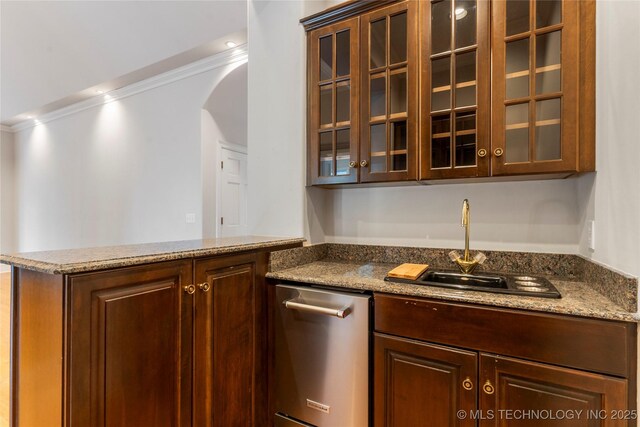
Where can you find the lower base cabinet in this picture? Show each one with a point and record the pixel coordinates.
(169, 344)
(431, 368)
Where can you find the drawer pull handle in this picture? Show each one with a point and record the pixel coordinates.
(498, 152)
(467, 384)
(488, 387)
(190, 289)
(340, 313)
(204, 287)
(353, 164)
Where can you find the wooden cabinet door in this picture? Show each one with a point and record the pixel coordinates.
(419, 384)
(230, 336)
(389, 100)
(333, 96)
(540, 81)
(510, 387)
(455, 98)
(130, 346)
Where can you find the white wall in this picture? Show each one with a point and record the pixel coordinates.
(612, 198)
(7, 201)
(127, 171)
(278, 201)
(51, 49)
(542, 216)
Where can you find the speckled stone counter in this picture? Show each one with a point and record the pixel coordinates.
(91, 259)
(578, 298)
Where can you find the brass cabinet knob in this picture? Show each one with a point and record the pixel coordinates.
(498, 152)
(353, 164)
(488, 387)
(364, 163)
(482, 152)
(467, 384)
(190, 289)
(204, 287)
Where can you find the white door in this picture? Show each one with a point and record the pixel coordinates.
(232, 193)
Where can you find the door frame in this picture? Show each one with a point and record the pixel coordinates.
(237, 148)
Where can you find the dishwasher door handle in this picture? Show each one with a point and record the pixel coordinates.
(340, 313)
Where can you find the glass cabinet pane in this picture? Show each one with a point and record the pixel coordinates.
(466, 79)
(517, 16)
(548, 12)
(440, 26)
(378, 43)
(378, 148)
(398, 38)
(517, 133)
(343, 54)
(440, 142)
(343, 102)
(399, 146)
(398, 92)
(466, 139)
(441, 84)
(326, 153)
(377, 93)
(548, 143)
(343, 155)
(465, 13)
(326, 105)
(326, 57)
(517, 78)
(548, 69)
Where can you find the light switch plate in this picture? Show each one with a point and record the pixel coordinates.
(191, 218)
(591, 235)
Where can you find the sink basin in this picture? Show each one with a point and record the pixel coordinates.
(525, 285)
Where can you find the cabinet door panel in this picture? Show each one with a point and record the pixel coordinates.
(536, 58)
(130, 347)
(333, 91)
(417, 384)
(509, 387)
(389, 104)
(455, 121)
(227, 355)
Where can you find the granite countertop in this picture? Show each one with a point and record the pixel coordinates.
(91, 259)
(578, 298)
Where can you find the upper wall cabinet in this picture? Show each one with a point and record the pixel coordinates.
(389, 129)
(440, 89)
(455, 98)
(543, 86)
(333, 70)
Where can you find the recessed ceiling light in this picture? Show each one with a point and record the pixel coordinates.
(231, 44)
(461, 12)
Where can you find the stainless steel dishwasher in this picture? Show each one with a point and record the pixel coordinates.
(322, 358)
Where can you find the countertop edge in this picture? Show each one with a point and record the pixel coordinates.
(84, 267)
(363, 284)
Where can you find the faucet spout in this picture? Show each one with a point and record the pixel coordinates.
(465, 262)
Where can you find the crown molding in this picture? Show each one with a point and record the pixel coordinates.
(4, 128)
(231, 56)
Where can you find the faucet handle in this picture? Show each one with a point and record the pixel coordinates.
(480, 258)
(454, 255)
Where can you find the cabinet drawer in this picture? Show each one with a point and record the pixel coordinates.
(593, 345)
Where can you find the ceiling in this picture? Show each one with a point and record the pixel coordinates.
(51, 50)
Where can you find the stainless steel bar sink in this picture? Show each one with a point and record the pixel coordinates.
(531, 286)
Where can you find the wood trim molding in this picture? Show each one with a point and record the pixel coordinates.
(340, 12)
(222, 59)
(5, 128)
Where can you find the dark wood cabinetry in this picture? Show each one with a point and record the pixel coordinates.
(500, 87)
(529, 366)
(417, 383)
(177, 343)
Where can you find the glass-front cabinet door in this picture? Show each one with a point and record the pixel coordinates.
(388, 147)
(535, 86)
(455, 96)
(333, 75)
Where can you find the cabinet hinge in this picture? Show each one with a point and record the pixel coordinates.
(222, 164)
(221, 220)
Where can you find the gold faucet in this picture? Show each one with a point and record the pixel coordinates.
(467, 264)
